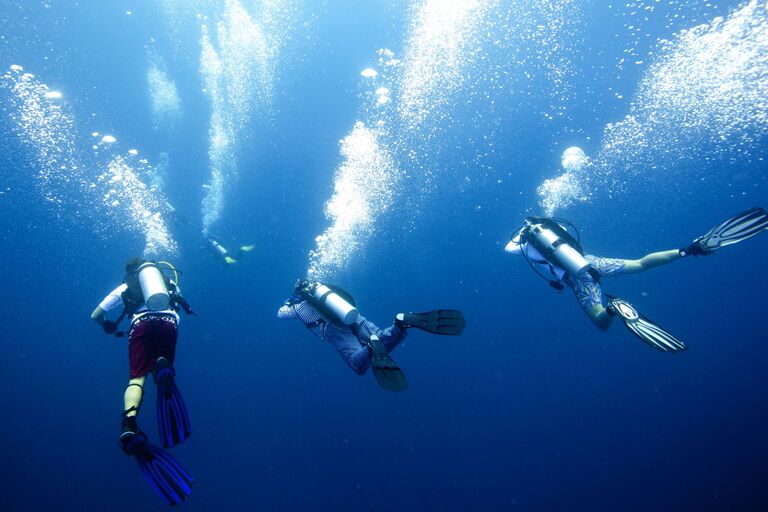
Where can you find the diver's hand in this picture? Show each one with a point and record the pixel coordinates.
(109, 326)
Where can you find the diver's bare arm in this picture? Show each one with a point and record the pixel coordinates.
(651, 260)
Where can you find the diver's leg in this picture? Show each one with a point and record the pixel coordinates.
(649, 261)
(132, 398)
(139, 361)
(356, 355)
(599, 316)
(392, 336)
(590, 297)
(165, 333)
(134, 393)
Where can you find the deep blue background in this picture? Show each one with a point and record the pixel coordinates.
(531, 408)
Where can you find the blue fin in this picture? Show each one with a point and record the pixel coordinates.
(169, 479)
(172, 416)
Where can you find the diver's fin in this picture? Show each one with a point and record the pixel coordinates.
(385, 369)
(172, 416)
(164, 473)
(643, 328)
(229, 260)
(737, 228)
(247, 248)
(449, 322)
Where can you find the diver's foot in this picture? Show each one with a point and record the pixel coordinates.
(125, 438)
(133, 443)
(130, 428)
(128, 441)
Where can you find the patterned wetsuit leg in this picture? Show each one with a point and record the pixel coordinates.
(390, 337)
(588, 291)
(343, 340)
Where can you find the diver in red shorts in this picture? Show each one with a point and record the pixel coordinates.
(152, 301)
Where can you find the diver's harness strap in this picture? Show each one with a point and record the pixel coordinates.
(132, 408)
(120, 334)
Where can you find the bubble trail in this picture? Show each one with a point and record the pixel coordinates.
(238, 64)
(363, 190)
(69, 180)
(702, 97)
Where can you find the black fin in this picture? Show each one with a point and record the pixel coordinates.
(446, 322)
(387, 373)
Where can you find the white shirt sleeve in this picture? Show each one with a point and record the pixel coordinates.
(114, 299)
(514, 245)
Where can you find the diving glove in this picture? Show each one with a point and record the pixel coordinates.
(109, 326)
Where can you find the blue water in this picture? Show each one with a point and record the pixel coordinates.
(531, 408)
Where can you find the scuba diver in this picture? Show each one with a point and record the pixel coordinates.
(152, 301)
(556, 255)
(221, 252)
(213, 242)
(330, 313)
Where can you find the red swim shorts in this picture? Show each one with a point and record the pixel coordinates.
(151, 336)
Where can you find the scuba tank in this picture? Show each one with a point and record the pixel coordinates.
(153, 288)
(329, 301)
(557, 246)
(217, 246)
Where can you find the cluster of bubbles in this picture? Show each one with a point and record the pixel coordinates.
(702, 96)
(163, 96)
(220, 150)
(130, 201)
(440, 36)
(571, 186)
(72, 182)
(43, 121)
(639, 19)
(366, 180)
(452, 50)
(363, 189)
(705, 92)
(238, 61)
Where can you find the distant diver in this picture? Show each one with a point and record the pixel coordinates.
(151, 300)
(330, 313)
(213, 242)
(556, 255)
(221, 252)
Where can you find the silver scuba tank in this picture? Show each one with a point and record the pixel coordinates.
(344, 312)
(218, 248)
(153, 288)
(556, 250)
